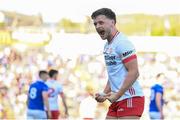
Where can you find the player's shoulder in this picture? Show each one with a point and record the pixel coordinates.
(157, 87)
(50, 82)
(123, 40)
(53, 82)
(42, 84)
(47, 82)
(121, 37)
(34, 83)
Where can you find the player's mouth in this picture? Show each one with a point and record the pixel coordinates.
(101, 33)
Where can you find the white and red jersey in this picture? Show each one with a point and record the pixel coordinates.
(55, 88)
(116, 53)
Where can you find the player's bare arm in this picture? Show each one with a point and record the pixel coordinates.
(159, 103)
(132, 75)
(46, 102)
(107, 88)
(64, 103)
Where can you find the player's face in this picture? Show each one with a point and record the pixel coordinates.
(103, 26)
(55, 76)
(45, 76)
(162, 79)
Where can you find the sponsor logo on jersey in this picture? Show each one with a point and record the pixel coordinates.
(127, 53)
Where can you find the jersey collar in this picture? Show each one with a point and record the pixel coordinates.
(114, 36)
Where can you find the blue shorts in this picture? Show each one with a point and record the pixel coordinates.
(155, 115)
(36, 114)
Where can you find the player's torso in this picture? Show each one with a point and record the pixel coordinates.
(154, 90)
(53, 93)
(112, 59)
(35, 96)
(116, 69)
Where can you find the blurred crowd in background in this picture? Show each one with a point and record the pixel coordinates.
(81, 77)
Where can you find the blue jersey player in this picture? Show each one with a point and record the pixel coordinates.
(156, 98)
(38, 98)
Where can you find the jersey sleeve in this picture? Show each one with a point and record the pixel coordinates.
(45, 88)
(126, 51)
(159, 90)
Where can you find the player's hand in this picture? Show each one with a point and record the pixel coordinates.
(66, 114)
(99, 97)
(112, 97)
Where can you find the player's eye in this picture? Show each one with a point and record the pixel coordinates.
(101, 22)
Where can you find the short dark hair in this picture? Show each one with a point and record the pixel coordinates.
(104, 11)
(42, 72)
(159, 75)
(52, 72)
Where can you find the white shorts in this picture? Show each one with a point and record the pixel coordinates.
(36, 114)
(155, 115)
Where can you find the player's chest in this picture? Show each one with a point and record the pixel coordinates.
(111, 56)
(110, 51)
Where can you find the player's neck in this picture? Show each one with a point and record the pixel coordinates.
(112, 35)
(41, 79)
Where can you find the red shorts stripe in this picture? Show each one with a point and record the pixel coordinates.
(129, 107)
(129, 58)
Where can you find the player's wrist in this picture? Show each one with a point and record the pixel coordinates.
(118, 95)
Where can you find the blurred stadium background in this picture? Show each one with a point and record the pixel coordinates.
(33, 37)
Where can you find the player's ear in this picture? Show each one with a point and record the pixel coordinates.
(113, 22)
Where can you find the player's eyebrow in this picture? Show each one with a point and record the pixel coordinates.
(101, 22)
